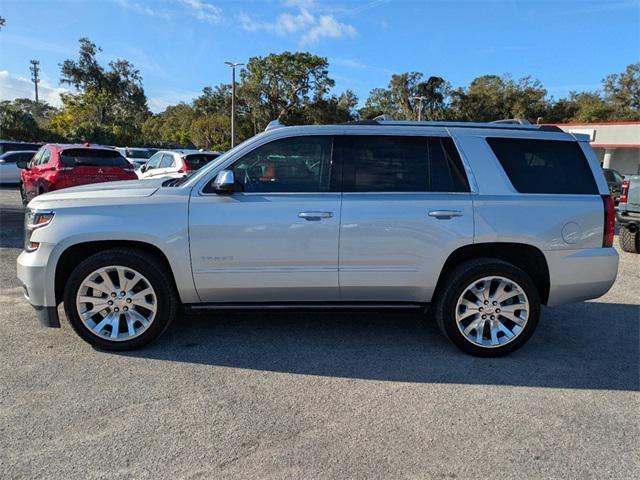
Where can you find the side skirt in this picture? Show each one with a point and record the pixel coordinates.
(318, 306)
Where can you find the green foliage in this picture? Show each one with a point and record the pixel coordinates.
(108, 104)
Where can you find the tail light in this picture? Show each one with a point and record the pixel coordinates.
(609, 221)
(185, 166)
(624, 192)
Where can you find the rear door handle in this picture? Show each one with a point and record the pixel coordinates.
(445, 214)
(315, 216)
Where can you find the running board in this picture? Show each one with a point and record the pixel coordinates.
(307, 306)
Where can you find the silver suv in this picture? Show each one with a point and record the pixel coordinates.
(481, 222)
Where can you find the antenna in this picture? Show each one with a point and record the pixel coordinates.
(35, 74)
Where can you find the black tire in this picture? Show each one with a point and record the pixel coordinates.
(459, 279)
(146, 264)
(629, 241)
(23, 196)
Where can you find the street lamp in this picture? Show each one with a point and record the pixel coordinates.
(420, 99)
(233, 66)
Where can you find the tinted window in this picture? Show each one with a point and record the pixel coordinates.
(298, 164)
(36, 158)
(12, 147)
(608, 175)
(198, 160)
(139, 154)
(91, 157)
(401, 164)
(544, 166)
(167, 161)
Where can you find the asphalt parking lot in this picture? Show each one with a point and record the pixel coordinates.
(300, 395)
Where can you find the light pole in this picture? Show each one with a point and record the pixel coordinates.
(420, 99)
(233, 100)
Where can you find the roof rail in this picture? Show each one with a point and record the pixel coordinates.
(273, 124)
(491, 125)
(513, 121)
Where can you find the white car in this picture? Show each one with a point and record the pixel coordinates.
(9, 171)
(137, 156)
(175, 163)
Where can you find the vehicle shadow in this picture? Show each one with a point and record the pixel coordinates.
(586, 346)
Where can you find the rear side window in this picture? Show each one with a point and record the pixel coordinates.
(401, 164)
(91, 157)
(544, 166)
(198, 160)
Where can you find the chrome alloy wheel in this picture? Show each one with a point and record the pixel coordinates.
(116, 303)
(492, 311)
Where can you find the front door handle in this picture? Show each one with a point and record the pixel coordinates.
(315, 216)
(445, 214)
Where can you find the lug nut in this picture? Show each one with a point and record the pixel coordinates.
(123, 293)
(116, 309)
(113, 294)
(497, 310)
(486, 302)
(493, 317)
(110, 302)
(128, 300)
(481, 309)
(495, 303)
(126, 308)
(484, 316)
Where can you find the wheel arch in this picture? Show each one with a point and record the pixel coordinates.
(524, 256)
(74, 254)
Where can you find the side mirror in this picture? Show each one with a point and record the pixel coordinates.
(22, 164)
(144, 168)
(224, 182)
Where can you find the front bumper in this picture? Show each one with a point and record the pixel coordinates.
(625, 217)
(37, 284)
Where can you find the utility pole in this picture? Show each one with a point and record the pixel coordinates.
(35, 74)
(233, 100)
(420, 99)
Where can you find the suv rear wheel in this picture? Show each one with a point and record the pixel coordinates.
(488, 307)
(120, 299)
(629, 241)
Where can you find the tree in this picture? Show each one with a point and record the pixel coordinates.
(2, 22)
(399, 100)
(24, 119)
(622, 92)
(108, 106)
(279, 85)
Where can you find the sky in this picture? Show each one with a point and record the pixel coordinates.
(180, 46)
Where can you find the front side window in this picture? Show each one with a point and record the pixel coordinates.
(36, 158)
(167, 161)
(45, 158)
(154, 161)
(544, 166)
(401, 164)
(297, 164)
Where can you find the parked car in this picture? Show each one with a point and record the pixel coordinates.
(55, 167)
(614, 180)
(628, 214)
(175, 163)
(475, 220)
(137, 156)
(9, 171)
(11, 146)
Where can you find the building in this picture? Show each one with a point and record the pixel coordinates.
(617, 144)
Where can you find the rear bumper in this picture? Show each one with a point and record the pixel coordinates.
(577, 275)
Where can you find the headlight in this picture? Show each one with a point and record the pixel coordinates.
(33, 220)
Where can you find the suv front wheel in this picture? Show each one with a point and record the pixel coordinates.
(120, 299)
(488, 307)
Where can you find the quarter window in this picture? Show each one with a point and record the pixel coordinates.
(167, 161)
(401, 164)
(296, 164)
(544, 166)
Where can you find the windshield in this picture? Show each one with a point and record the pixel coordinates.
(91, 157)
(142, 154)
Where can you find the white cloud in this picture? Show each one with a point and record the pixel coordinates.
(143, 9)
(12, 87)
(159, 100)
(203, 10)
(306, 23)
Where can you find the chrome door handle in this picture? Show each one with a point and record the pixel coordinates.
(314, 216)
(445, 214)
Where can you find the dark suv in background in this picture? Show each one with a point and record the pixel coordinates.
(628, 214)
(614, 181)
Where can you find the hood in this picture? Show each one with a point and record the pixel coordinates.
(101, 191)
